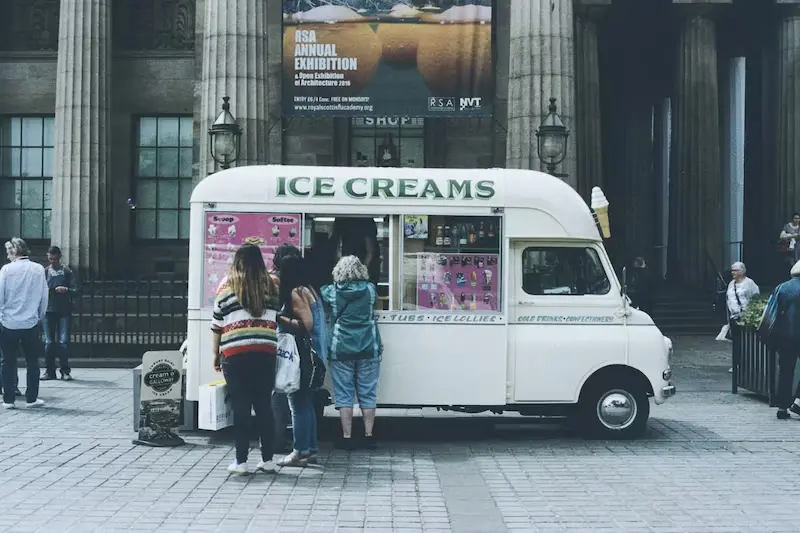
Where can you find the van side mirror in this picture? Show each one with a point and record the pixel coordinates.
(624, 292)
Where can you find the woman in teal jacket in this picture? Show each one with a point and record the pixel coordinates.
(355, 346)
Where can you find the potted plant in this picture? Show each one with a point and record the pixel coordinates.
(752, 315)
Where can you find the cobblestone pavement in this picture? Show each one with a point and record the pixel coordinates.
(711, 462)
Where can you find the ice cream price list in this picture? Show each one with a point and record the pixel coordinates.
(226, 232)
(457, 282)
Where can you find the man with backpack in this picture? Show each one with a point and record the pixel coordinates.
(63, 286)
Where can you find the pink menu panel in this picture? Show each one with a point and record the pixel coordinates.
(226, 232)
(458, 282)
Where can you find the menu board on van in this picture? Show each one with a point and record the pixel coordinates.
(226, 232)
(457, 282)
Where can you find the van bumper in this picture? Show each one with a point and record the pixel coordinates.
(668, 391)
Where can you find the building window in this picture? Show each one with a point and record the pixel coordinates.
(387, 142)
(163, 177)
(26, 174)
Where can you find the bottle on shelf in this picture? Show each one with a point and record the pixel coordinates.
(471, 236)
(439, 235)
(462, 239)
(448, 240)
(481, 232)
(490, 233)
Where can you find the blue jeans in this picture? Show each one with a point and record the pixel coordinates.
(355, 378)
(304, 422)
(30, 341)
(56, 339)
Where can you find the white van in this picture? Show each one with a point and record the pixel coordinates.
(496, 293)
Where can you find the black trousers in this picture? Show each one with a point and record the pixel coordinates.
(787, 359)
(30, 341)
(250, 379)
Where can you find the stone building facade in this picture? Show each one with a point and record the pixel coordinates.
(684, 111)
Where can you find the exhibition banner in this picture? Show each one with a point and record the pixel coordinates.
(387, 57)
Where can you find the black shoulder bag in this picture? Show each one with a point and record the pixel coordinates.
(312, 367)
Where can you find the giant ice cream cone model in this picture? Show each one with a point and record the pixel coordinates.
(456, 54)
(600, 208)
(333, 39)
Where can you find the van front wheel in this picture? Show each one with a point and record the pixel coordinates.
(613, 412)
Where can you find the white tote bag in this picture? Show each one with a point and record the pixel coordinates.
(215, 411)
(287, 371)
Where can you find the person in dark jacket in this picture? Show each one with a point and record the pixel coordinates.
(63, 287)
(640, 286)
(786, 332)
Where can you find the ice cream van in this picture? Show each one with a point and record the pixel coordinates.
(495, 290)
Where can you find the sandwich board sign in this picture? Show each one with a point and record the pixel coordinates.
(161, 399)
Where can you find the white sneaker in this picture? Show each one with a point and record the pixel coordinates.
(35, 404)
(293, 459)
(9, 406)
(267, 467)
(239, 469)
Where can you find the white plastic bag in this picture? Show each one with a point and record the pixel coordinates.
(723, 333)
(287, 371)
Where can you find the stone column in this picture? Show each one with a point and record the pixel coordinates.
(696, 184)
(787, 145)
(80, 193)
(541, 66)
(587, 130)
(241, 59)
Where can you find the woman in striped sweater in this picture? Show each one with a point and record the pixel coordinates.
(245, 341)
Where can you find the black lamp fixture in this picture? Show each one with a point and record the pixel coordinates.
(552, 140)
(225, 136)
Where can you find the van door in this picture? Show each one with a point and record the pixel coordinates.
(566, 318)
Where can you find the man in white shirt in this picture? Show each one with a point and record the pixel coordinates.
(23, 304)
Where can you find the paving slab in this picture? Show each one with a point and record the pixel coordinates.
(710, 461)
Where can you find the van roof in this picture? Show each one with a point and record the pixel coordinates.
(393, 189)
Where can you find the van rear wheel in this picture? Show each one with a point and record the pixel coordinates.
(612, 411)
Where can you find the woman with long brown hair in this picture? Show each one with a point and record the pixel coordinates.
(245, 342)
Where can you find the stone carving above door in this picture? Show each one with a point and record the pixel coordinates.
(142, 25)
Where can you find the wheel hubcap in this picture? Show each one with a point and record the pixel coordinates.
(617, 409)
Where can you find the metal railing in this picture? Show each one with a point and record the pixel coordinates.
(129, 316)
(717, 285)
(755, 365)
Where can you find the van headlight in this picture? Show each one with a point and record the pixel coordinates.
(666, 375)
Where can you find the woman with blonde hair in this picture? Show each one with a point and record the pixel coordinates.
(245, 342)
(355, 346)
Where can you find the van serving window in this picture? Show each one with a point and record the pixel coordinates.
(328, 238)
(563, 271)
(451, 263)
